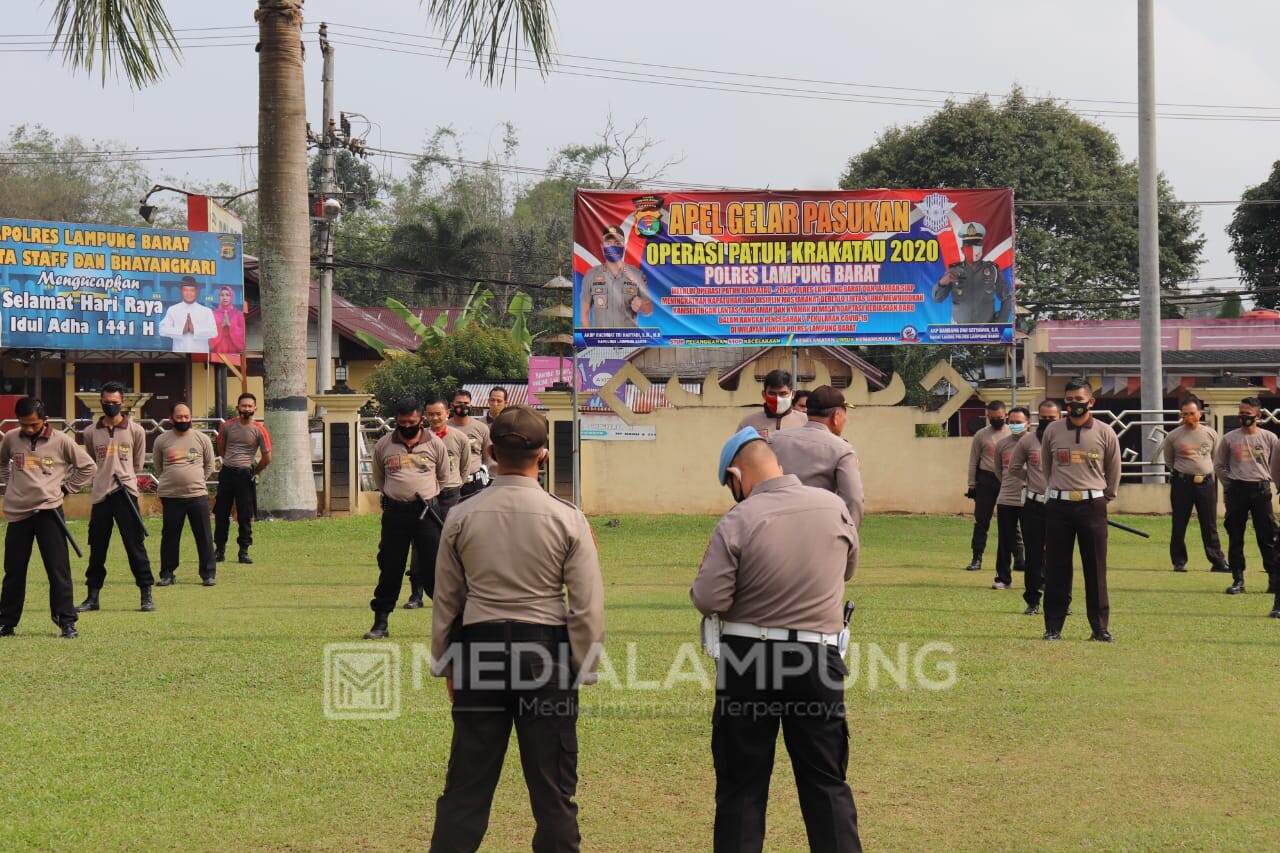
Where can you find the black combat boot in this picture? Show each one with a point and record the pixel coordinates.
(69, 631)
(147, 605)
(415, 598)
(976, 565)
(244, 557)
(90, 603)
(1237, 583)
(379, 630)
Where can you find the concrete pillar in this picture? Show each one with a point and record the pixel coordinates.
(341, 479)
(559, 406)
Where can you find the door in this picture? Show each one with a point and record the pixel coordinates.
(166, 382)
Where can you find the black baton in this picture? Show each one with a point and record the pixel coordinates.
(848, 612)
(136, 512)
(1127, 529)
(65, 532)
(427, 509)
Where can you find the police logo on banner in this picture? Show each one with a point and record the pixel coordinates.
(935, 210)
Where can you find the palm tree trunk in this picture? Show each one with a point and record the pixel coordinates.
(288, 490)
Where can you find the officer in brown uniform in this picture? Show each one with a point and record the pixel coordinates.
(818, 456)
(517, 623)
(497, 402)
(984, 488)
(614, 294)
(1080, 457)
(457, 445)
(1247, 462)
(1026, 464)
(774, 573)
(40, 467)
(1009, 498)
(183, 460)
(476, 476)
(408, 467)
(119, 446)
(776, 414)
(1188, 454)
(245, 448)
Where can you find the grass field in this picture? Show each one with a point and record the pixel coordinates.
(201, 726)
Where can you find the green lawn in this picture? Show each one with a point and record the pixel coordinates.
(201, 726)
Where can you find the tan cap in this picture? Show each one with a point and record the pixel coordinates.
(519, 426)
(824, 399)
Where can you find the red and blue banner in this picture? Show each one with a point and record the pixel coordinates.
(770, 268)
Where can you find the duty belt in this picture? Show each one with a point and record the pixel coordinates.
(1036, 496)
(1192, 478)
(756, 632)
(1073, 496)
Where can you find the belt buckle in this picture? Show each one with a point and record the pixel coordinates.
(1075, 496)
(1198, 479)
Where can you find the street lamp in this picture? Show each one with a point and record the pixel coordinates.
(148, 211)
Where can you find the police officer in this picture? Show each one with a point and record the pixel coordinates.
(517, 623)
(1080, 457)
(984, 488)
(1247, 461)
(975, 285)
(613, 294)
(476, 475)
(119, 446)
(777, 413)
(408, 467)
(1188, 454)
(816, 453)
(1009, 498)
(1026, 464)
(245, 448)
(458, 448)
(40, 466)
(183, 458)
(497, 402)
(774, 572)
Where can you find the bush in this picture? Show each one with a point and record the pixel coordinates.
(468, 355)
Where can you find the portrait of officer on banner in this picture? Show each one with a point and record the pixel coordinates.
(978, 289)
(614, 294)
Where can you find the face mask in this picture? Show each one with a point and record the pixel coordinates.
(973, 253)
(1248, 420)
(614, 254)
(1017, 429)
(1042, 426)
(1076, 410)
(182, 426)
(777, 404)
(409, 432)
(111, 409)
(33, 433)
(738, 497)
(996, 423)
(244, 416)
(461, 410)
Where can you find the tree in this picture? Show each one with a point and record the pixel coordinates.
(443, 364)
(1076, 213)
(130, 36)
(1253, 231)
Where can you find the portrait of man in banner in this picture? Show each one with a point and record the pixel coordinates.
(978, 289)
(230, 323)
(614, 294)
(188, 323)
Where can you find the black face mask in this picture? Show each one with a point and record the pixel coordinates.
(1042, 426)
(111, 409)
(1076, 410)
(409, 432)
(738, 497)
(182, 426)
(461, 410)
(1248, 420)
(996, 423)
(246, 416)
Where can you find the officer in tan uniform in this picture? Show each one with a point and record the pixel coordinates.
(614, 294)
(984, 488)
(1080, 457)
(408, 467)
(183, 461)
(1025, 464)
(475, 476)
(1009, 499)
(1247, 461)
(1188, 454)
(40, 467)
(776, 414)
(456, 444)
(519, 598)
(497, 402)
(774, 574)
(816, 453)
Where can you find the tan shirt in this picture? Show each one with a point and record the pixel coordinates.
(1077, 459)
(183, 463)
(780, 559)
(119, 451)
(765, 424)
(511, 553)
(1247, 458)
(1025, 462)
(40, 472)
(1189, 451)
(458, 447)
(982, 451)
(404, 473)
(240, 445)
(1011, 482)
(821, 459)
(478, 434)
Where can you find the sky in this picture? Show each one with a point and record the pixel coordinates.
(683, 69)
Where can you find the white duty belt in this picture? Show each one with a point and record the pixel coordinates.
(757, 632)
(1081, 495)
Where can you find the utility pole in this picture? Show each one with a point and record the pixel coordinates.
(324, 335)
(1148, 230)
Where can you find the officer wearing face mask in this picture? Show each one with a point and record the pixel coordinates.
(1025, 464)
(984, 487)
(1188, 452)
(183, 461)
(974, 285)
(476, 477)
(777, 413)
(613, 294)
(1009, 498)
(245, 447)
(1247, 461)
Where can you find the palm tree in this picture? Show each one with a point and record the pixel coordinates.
(129, 37)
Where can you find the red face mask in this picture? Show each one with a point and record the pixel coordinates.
(777, 404)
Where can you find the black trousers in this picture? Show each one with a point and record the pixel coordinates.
(1066, 524)
(1008, 541)
(511, 674)
(177, 512)
(119, 509)
(40, 529)
(1033, 536)
(761, 686)
(235, 487)
(402, 527)
(984, 505)
(1184, 495)
(1245, 501)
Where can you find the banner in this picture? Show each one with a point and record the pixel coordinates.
(100, 287)
(793, 268)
